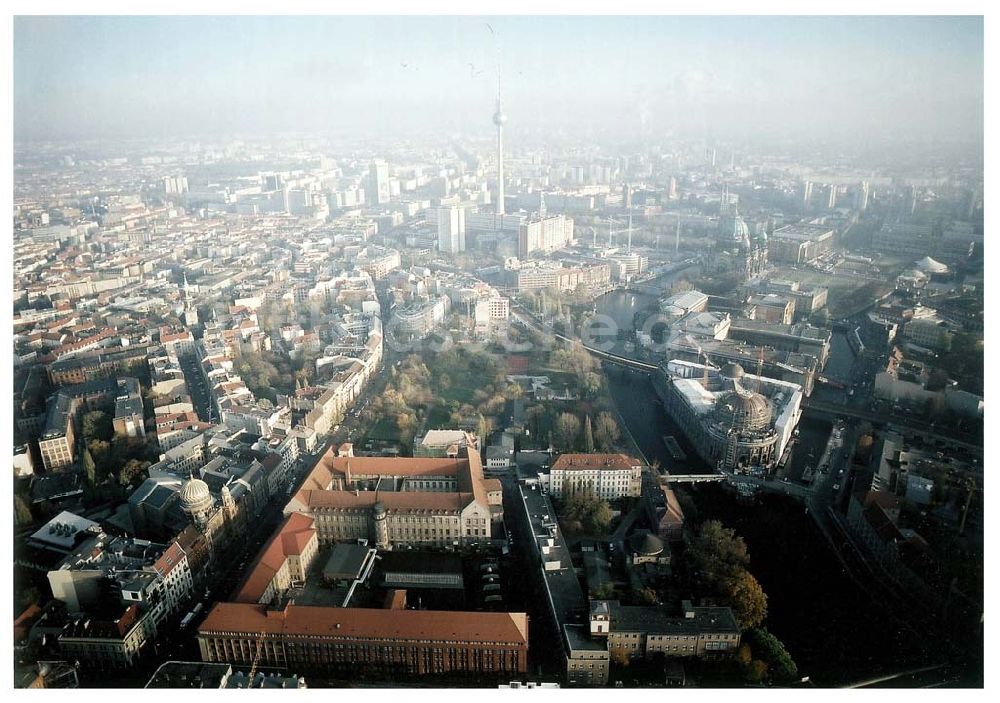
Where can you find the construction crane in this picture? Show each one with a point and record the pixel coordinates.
(256, 659)
(704, 376)
(760, 367)
(611, 232)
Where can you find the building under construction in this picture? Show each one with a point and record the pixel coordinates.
(737, 422)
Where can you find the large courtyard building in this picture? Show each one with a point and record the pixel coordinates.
(422, 501)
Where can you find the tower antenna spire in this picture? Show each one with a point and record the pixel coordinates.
(498, 119)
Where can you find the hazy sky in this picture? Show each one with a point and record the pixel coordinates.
(725, 77)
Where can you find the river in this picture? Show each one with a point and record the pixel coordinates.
(648, 422)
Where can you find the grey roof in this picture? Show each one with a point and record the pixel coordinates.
(176, 674)
(657, 620)
(345, 562)
(646, 544)
(160, 496)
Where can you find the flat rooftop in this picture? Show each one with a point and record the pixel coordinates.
(565, 594)
(345, 562)
(178, 674)
(803, 232)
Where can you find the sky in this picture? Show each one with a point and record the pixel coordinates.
(712, 77)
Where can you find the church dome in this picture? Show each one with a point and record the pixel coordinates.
(647, 545)
(743, 410)
(195, 496)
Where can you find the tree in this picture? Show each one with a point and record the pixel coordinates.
(770, 649)
(101, 453)
(584, 511)
(590, 383)
(97, 425)
(588, 436)
(567, 429)
(606, 431)
(646, 596)
(747, 599)
(132, 472)
(716, 558)
(756, 671)
(604, 591)
(89, 469)
(22, 511)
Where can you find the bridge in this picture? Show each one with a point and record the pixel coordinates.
(692, 478)
(529, 320)
(902, 421)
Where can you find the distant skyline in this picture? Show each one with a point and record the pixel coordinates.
(717, 77)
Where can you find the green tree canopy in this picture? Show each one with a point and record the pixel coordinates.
(97, 425)
(584, 512)
(716, 555)
(770, 649)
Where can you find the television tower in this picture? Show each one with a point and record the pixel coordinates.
(498, 119)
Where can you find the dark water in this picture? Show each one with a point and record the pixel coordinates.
(648, 422)
(814, 433)
(621, 306)
(841, 359)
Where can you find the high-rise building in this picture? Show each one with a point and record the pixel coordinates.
(378, 192)
(862, 197)
(831, 201)
(175, 185)
(807, 193)
(451, 229)
(545, 234)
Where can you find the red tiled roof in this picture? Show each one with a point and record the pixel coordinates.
(369, 623)
(673, 512)
(402, 466)
(290, 539)
(573, 462)
(169, 560)
(402, 501)
(467, 470)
